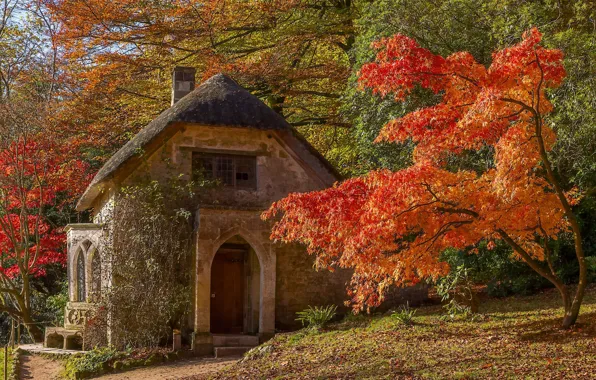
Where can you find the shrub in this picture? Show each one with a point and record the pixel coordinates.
(456, 290)
(56, 304)
(517, 285)
(108, 359)
(316, 317)
(90, 363)
(405, 314)
(152, 219)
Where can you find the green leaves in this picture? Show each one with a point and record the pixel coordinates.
(405, 314)
(317, 317)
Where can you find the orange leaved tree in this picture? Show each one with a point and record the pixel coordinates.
(391, 227)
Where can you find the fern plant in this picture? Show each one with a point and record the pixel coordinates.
(317, 317)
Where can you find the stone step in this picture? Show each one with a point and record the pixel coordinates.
(235, 340)
(221, 352)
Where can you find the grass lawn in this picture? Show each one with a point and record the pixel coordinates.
(10, 362)
(517, 337)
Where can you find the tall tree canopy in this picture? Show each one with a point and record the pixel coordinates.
(297, 56)
(292, 54)
(392, 227)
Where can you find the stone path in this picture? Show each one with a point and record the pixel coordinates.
(40, 349)
(43, 368)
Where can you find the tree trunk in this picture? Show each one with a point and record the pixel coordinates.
(572, 312)
(571, 308)
(35, 332)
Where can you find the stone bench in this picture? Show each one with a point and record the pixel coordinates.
(62, 338)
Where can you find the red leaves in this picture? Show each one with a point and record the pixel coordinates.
(33, 176)
(473, 112)
(527, 62)
(391, 228)
(401, 64)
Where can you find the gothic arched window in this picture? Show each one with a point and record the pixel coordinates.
(80, 268)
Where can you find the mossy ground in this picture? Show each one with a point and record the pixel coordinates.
(516, 337)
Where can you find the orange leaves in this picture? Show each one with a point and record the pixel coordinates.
(391, 228)
(421, 125)
(385, 226)
(119, 56)
(478, 104)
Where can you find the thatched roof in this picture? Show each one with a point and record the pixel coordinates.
(217, 101)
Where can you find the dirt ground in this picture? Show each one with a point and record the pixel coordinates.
(195, 368)
(38, 367)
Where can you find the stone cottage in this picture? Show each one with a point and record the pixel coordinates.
(246, 287)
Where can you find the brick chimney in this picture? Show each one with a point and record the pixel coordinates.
(183, 82)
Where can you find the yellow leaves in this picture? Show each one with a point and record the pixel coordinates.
(574, 196)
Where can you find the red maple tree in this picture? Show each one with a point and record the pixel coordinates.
(391, 227)
(35, 176)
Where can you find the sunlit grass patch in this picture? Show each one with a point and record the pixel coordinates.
(516, 337)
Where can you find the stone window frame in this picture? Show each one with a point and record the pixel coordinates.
(92, 293)
(188, 152)
(234, 155)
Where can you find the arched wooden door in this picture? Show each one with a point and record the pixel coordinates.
(227, 289)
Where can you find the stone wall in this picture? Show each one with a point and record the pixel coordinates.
(300, 285)
(288, 283)
(278, 172)
(413, 295)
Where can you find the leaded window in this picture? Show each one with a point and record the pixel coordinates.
(80, 268)
(230, 170)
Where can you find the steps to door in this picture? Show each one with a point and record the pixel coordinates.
(225, 340)
(233, 345)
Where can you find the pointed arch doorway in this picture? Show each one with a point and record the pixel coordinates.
(235, 289)
(261, 315)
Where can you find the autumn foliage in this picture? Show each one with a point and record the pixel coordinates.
(36, 175)
(120, 56)
(32, 177)
(391, 227)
